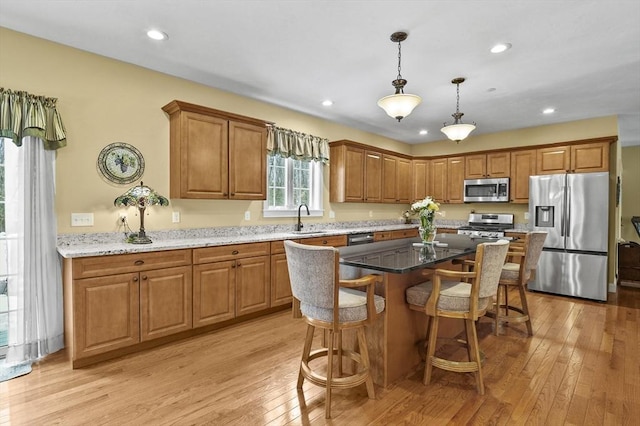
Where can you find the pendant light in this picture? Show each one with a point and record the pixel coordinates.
(399, 105)
(457, 131)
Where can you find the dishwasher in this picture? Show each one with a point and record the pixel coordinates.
(361, 238)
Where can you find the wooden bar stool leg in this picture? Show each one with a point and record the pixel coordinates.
(339, 337)
(525, 309)
(431, 350)
(327, 408)
(496, 319)
(305, 353)
(364, 355)
(472, 337)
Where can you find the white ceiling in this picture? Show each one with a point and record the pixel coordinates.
(580, 57)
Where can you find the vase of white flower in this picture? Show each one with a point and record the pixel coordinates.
(426, 210)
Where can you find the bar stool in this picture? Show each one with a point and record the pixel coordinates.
(333, 305)
(468, 301)
(522, 260)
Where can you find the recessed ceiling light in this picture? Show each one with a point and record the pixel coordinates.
(500, 47)
(157, 35)
(327, 102)
(548, 110)
(424, 132)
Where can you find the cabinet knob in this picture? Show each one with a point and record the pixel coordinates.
(135, 279)
(233, 194)
(235, 252)
(144, 277)
(233, 265)
(324, 241)
(239, 264)
(139, 262)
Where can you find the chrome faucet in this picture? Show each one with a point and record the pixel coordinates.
(300, 225)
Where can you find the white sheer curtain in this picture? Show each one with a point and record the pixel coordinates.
(36, 325)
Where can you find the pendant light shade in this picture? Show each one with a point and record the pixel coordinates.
(457, 131)
(399, 105)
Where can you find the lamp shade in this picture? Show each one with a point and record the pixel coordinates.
(140, 196)
(458, 132)
(399, 105)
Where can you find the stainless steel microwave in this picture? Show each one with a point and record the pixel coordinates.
(486, 190)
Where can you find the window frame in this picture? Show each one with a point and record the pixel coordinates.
(316, 197)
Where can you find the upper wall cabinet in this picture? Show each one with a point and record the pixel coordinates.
(581, 158)
(421, 179)
(360, 174)
(493, 165)
(523, 165)
(447, 179)
(215, 154)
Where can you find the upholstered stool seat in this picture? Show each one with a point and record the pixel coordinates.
(449, 295)
(334, 305)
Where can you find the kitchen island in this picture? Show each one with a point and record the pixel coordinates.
(395, 337)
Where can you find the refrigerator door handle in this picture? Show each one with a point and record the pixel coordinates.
(563, 213)
(568, 216)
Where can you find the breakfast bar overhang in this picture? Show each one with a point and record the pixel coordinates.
(395, 336)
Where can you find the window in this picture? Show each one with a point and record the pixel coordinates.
(292, 182)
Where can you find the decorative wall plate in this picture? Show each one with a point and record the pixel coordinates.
(121, 163)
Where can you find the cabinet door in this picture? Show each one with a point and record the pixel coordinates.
(592, 157)
(165, 302)
(439, 179)
(280, 284)
(523, 165)
(499, 165)
(214, 292)
(199, 157)
(373, 177)
(420, 179)
(455, 179)
(389, 179)
(475, 166)
(553, 160)
(105, 314)
(404, 181)
(247, 161)
(252, 284)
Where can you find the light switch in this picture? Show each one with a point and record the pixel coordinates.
(81, 219)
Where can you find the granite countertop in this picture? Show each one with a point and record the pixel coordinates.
(101, 244)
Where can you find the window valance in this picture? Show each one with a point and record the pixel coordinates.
(289, 143)
(23, 114)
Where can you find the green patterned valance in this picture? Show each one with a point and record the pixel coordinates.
(300, 146)
(23, 114)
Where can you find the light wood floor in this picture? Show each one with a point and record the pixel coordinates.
(581, 367)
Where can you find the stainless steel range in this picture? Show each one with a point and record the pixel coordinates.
(487, 225)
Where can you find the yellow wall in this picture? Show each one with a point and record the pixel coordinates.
(630, 201)
(103, 101)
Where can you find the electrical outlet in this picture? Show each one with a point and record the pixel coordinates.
(370, 213)
(332, 214)
(247, 215)
(81, 219)
(526, 215)
(175, 217)
(443, 213)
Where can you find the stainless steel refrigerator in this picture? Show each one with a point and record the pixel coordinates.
(574, 210)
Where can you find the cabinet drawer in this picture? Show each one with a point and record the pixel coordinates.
(230, 252)
(404, 233)
(333, 241)
(277, 247)
(382, 236)
(98, 266)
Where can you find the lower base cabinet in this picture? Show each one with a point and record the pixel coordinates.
(113, 302)
(214, 293)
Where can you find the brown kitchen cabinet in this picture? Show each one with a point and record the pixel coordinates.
(396, 177)
(230, 281)
(373, 177)
(493, 165)
(280, 282)
(447, 179)
(446, 231)
(329, 240)
(114, 302)
(347, 172)
(421, 179)
(579, 158)
(215, 154)
(523, 165)
(395, 234)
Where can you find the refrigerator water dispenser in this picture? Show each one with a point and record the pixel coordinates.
(544, 216)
